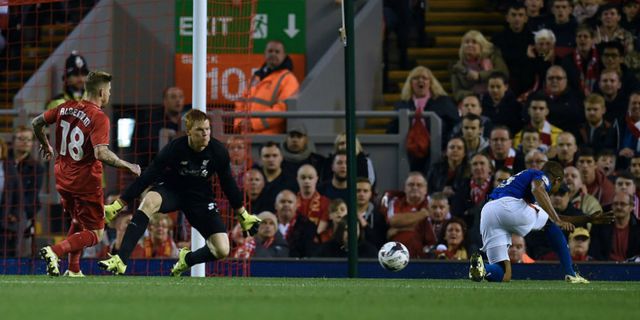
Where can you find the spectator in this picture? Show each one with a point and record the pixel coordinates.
(586, 9)
(582, 66)
(579, 241)
(336, 188)
(338, 246)
(518, 250)
(297, 150)
(311, 203)
(620, 240)
(405, 210)
(471, 106)
(615, 98)
(501, 105)
(74, 77)
(157, 126)
(538, 112)
(626, 183)
(610, 29)
(561, 200)
(159, 243)
(448, 174)
(530, 142)
(536, 14)
(634, 167)
(606, 162)
(513, 42)
(254, 184)
(594, 179)
(478, 58)
(500, 151)
(613, 56)
(421, 90)
(294, 227)
(630, 131)
(472, 129)
(364, 164)
(565, 152)
(454, 239)
(440, 212)
(276, 179)
(580, 199)
(541, 58)
(475, 189)
(535, 159)
(269, 87)
(31, 173)
(267, 243)
(564, 26)
(11, 219)
(597, 133)
(630, 19)
(372, 222)
(240, 156)
(565, 108)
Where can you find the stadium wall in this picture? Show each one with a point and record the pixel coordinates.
(337, 268)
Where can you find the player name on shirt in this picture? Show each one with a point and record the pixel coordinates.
(76, 113)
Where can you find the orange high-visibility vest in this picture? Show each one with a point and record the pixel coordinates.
(267, 95)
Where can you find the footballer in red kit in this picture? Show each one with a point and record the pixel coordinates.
(82, 145)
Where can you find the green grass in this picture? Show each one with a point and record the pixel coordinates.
(119, 298)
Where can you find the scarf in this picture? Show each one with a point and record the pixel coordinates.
(479, 191)
(589, 78)
(479, 65)
(545, 135)
(421, 105)
(508, 161)
(297, 157)
(162, 250)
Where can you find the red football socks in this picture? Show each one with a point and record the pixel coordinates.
(75, 242)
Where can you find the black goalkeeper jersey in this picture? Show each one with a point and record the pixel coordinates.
(189, 173)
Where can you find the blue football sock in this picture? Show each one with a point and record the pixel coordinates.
(559, 245)
(494, 272)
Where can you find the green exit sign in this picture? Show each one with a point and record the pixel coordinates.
(231, 28)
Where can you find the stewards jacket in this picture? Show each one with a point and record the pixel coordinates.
(267, 93)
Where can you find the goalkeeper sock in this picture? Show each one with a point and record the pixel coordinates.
(134, 232)
(494, 272)
(199, 256)
(560, 247)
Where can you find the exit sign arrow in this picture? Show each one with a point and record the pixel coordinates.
(291, 29)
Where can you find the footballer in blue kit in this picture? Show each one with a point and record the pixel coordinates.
(518, 205)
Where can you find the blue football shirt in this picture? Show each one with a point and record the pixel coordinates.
(519, 186)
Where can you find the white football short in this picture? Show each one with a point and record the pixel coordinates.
(505, 216)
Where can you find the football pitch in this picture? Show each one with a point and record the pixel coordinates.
(119, 298)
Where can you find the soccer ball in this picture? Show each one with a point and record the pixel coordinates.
(393, 256)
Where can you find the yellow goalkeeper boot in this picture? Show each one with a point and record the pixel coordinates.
(114, 265)
(248, 222)
(575, 279)
(476, 268)
(180, 266)
(72, 274)
(51, 259)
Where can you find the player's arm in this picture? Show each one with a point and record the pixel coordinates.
(542, 197)
(102, 153)
(596, 218)
(38, 123)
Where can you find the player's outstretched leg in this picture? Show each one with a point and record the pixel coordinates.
(476, 268)
(561, 248)
(51, 259)
(117, 264)
(181, 266)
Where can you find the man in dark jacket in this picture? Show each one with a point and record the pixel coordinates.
(621, 240)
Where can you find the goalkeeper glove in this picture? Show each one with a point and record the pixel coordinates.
(112, 210)
(248, 222)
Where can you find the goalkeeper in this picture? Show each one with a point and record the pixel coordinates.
(180, 176)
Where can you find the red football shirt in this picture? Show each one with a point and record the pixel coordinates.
(80, 126)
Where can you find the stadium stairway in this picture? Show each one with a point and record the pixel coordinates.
(446, 22)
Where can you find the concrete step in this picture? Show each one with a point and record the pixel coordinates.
(418, 53)
(6, 105)
(435, 64)
(463, 18)
(457, 5)
(59, 29)
(462, 29)
(370, 131)
(380, 123)
(401, 75)
(391, 98)
(10, 85)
